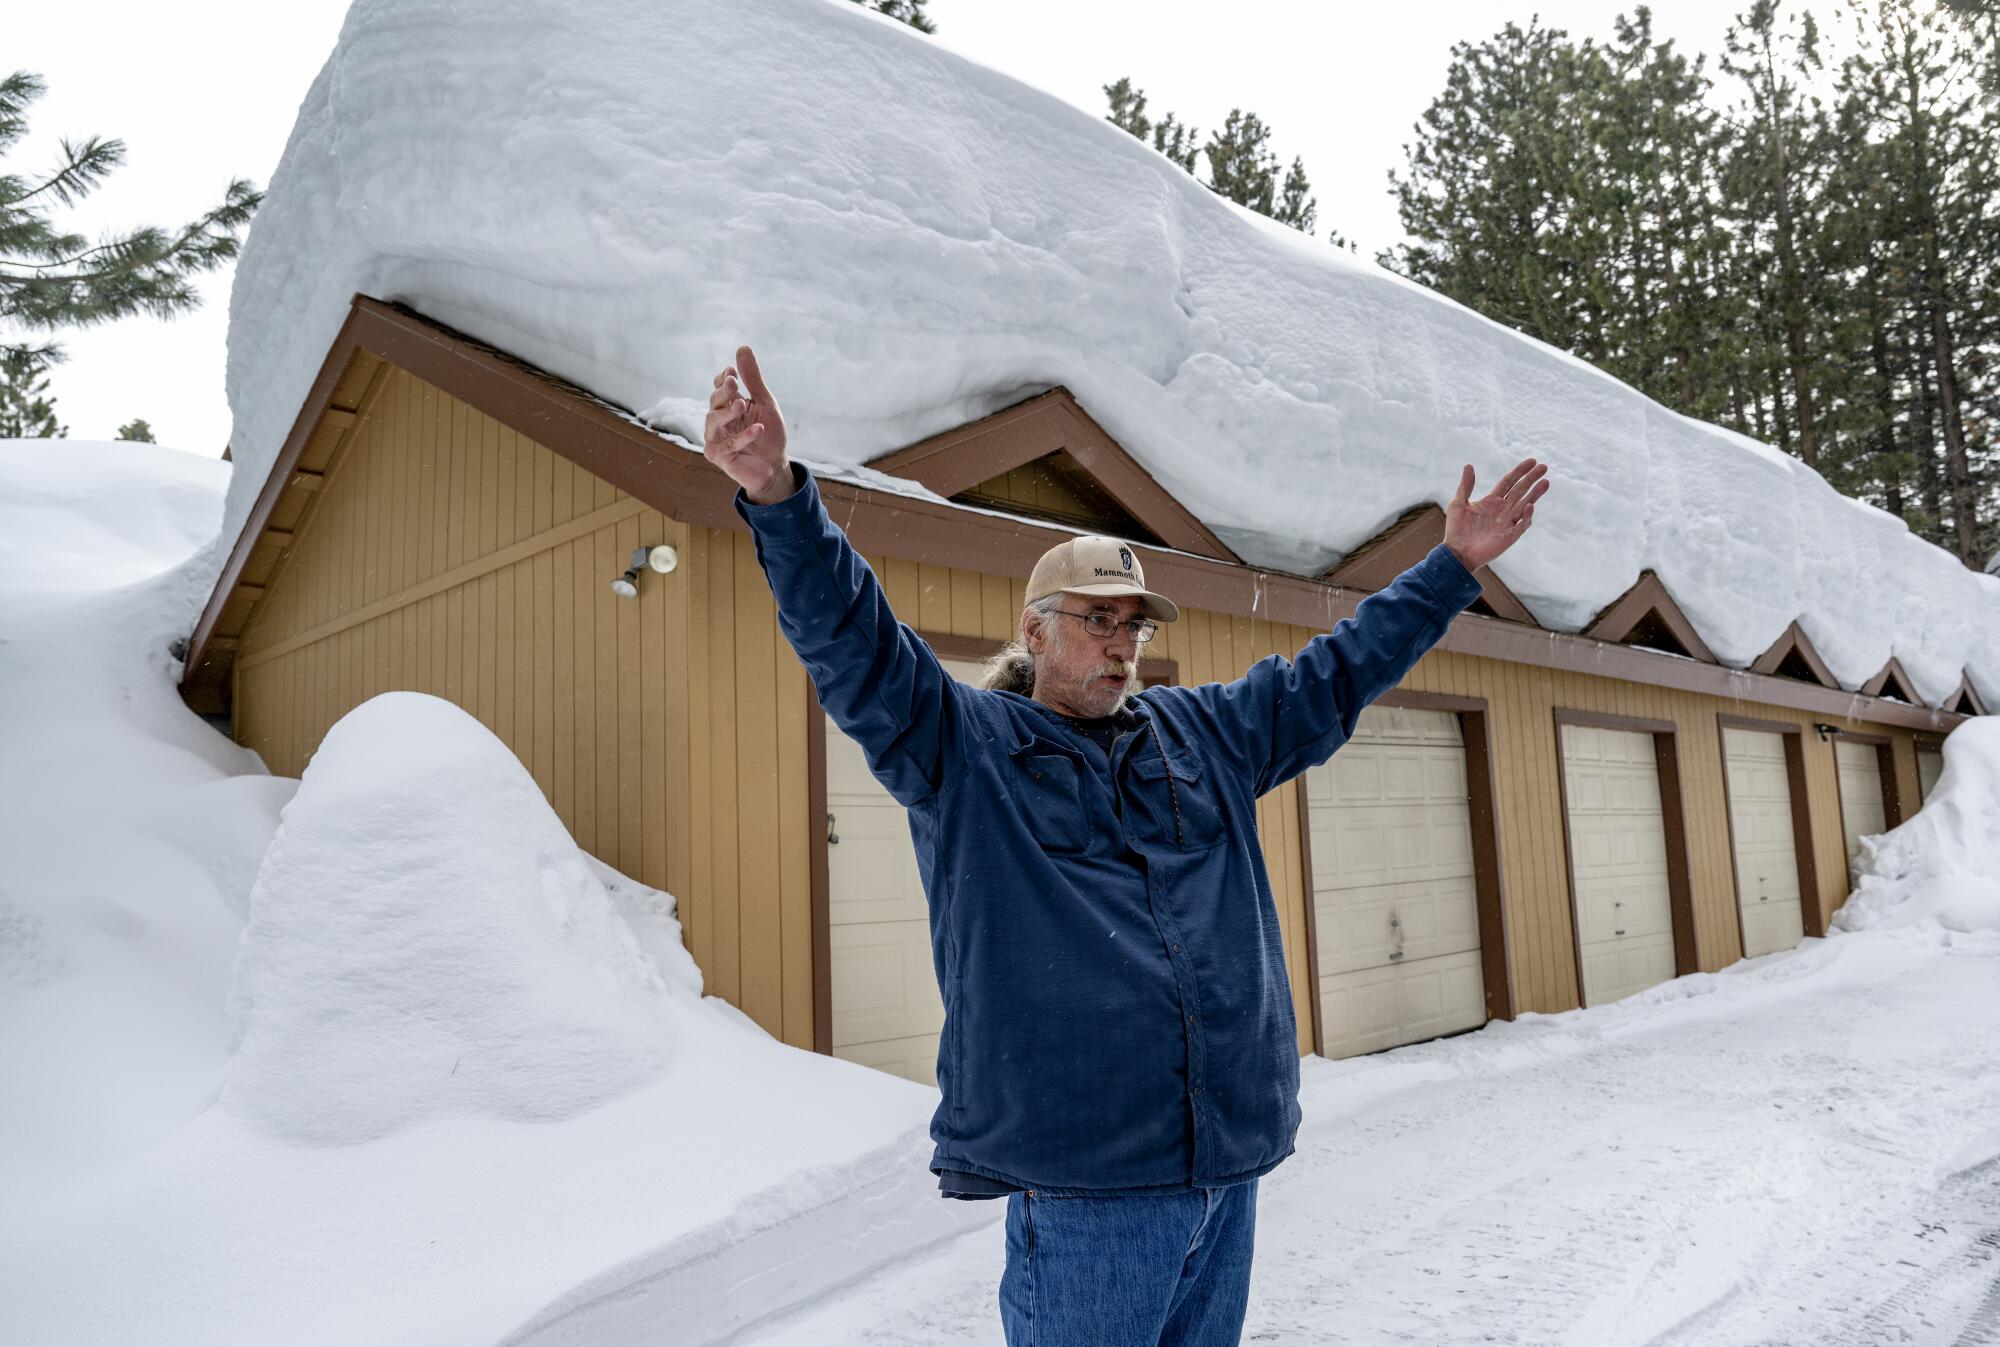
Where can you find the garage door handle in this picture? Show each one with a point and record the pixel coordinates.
(1618, 933)
(832, 837)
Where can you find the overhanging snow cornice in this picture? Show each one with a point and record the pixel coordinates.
(1377, 562)
(1648, 598)
(1051, 422)
(666, 475)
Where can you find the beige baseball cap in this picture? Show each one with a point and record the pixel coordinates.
(1097, 567)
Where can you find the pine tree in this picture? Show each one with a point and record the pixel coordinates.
(1170, 136)
(905, 11)
(1914, 79)
(138, 431)
(27, 412)
(1241, 165)
(1488, 195)
(51, 278)
(1296, 206)
(1781, 158)
(1826, 283)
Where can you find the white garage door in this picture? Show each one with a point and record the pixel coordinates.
(1760, 828)
(886, 1009)
(1930, 766)
(1618, 861)
(1394, 905)
(1861, 813)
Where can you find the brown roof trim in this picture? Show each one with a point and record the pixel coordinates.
(1648, 595)
(960, 459)
(1893, 671)
(572, 424)
(684, 486)
(1794, 639)
(1966, 700)
(1377, 562)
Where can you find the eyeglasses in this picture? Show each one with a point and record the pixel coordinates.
(1103, 625)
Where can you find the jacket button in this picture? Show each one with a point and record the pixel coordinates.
(1177, 949)
(1197, 1089)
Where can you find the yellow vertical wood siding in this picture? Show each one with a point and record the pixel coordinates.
(447, 554)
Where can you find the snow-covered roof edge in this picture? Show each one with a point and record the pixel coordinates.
(913, 240)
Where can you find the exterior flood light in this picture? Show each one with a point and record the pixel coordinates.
(662, 559)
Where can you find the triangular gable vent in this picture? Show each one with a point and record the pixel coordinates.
(1377, 562)
(1892, 684)
(1046, 458)
(1056, 487)
(1793, 656)
(1646, 617)
(1794, 666)
(1651, 632)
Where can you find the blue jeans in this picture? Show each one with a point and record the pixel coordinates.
(1167, 1271)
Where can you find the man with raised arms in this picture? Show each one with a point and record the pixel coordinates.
(1119, 1057)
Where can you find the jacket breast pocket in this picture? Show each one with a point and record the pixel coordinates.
(1177, 805)
(1050, 794)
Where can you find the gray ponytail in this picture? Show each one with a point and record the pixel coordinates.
(1013, 668)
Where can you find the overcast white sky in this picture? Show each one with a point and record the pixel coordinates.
(200, 99)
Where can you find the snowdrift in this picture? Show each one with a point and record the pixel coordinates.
(129, 830)
(376, 1057)
(621, 190)
(428, 939)
(1940, 870)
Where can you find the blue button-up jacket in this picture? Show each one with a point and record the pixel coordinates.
(1117, 1014)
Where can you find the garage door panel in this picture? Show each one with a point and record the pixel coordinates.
(1371, 1009)
(1861, 812)
(1768, 927)
(1359, 846)
(887, 1012)
(1930, 766)
(1618, 861)
(1614, 969)
(872, 870)
(884, 980)
(1396, 911)
(913, 1058)
(1760, 821)
(1437, 918)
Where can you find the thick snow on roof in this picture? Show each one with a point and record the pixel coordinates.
(621, 190)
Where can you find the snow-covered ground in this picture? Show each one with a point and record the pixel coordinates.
(1802, 1150)
(380, 1057)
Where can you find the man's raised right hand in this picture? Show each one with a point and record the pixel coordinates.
(745, 434)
